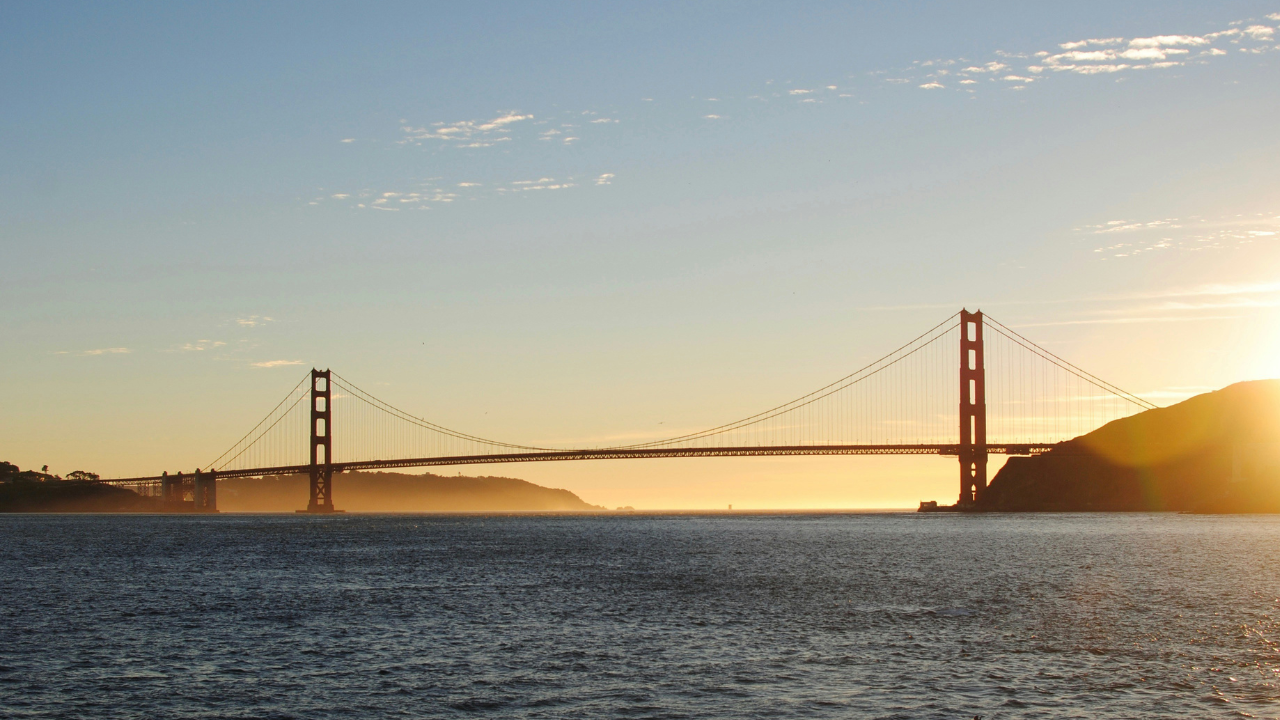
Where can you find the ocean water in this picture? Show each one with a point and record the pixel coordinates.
(677, 616)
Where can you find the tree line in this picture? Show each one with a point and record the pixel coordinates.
(11, 473)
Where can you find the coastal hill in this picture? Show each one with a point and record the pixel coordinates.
(33, 491)
(397, 492)
(1216, 452)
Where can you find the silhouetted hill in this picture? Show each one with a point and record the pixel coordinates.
(38, 491)
(70, 496)
(1216, 452)
(396, 492)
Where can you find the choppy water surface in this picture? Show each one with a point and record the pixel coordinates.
(639, 616)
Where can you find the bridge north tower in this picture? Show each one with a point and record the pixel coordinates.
(973, 409)
(321, 444)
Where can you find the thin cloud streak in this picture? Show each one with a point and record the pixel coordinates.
(1128, 321)
(1216, 289)
(467, 133)
(1093, 57)
(1210, 290)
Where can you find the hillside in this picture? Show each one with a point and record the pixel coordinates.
(397, 492)
(1216, 452)
(70, 496)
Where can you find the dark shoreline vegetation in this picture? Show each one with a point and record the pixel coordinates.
(33, 491)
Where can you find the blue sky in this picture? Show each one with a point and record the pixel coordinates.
(562, 221)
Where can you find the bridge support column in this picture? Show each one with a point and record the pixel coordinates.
(321, 445)
(205, 494)
(173, 492)
(973, 410)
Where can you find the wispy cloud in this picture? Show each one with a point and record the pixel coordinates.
(1233, 304)
(1168, 41)
(1077, 44)
(254, 320)
(1092, 56)
(991, 67)
(275, 363)
(1129, 320)
(1197, 303)
(107, 351)
(427, 195)
(1129, 238)
(1099, 57)
(1218, 289)
(545, 183)
(467, 133)
(201, 345)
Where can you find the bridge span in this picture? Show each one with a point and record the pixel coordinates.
(897, 405)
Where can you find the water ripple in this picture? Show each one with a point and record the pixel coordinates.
(889, 616)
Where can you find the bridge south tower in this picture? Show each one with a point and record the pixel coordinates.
(973, 409)
(321, 444)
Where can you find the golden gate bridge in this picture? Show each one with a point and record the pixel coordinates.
(1010, 397)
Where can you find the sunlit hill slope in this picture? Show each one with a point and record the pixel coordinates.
(1216, 452)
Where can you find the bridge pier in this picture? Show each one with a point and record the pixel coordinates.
(175, 499)
(973, 410)
(321, 470)
(205, 492)
(176, 489)
(166, 489)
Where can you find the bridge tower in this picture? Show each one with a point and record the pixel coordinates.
(973, 410)
(321, 445)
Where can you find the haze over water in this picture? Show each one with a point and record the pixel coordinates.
(842, 615)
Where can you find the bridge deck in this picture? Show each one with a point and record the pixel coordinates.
(619, 454)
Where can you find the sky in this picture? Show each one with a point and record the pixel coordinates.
(572, 221)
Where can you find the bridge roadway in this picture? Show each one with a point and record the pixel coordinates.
(618, 454)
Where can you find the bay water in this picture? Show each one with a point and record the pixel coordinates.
(876, 615)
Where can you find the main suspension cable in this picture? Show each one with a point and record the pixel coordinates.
(216, 462)
(797, 403)
(1065, 365)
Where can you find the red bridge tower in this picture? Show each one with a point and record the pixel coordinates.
(973, 410)
(321, 444)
